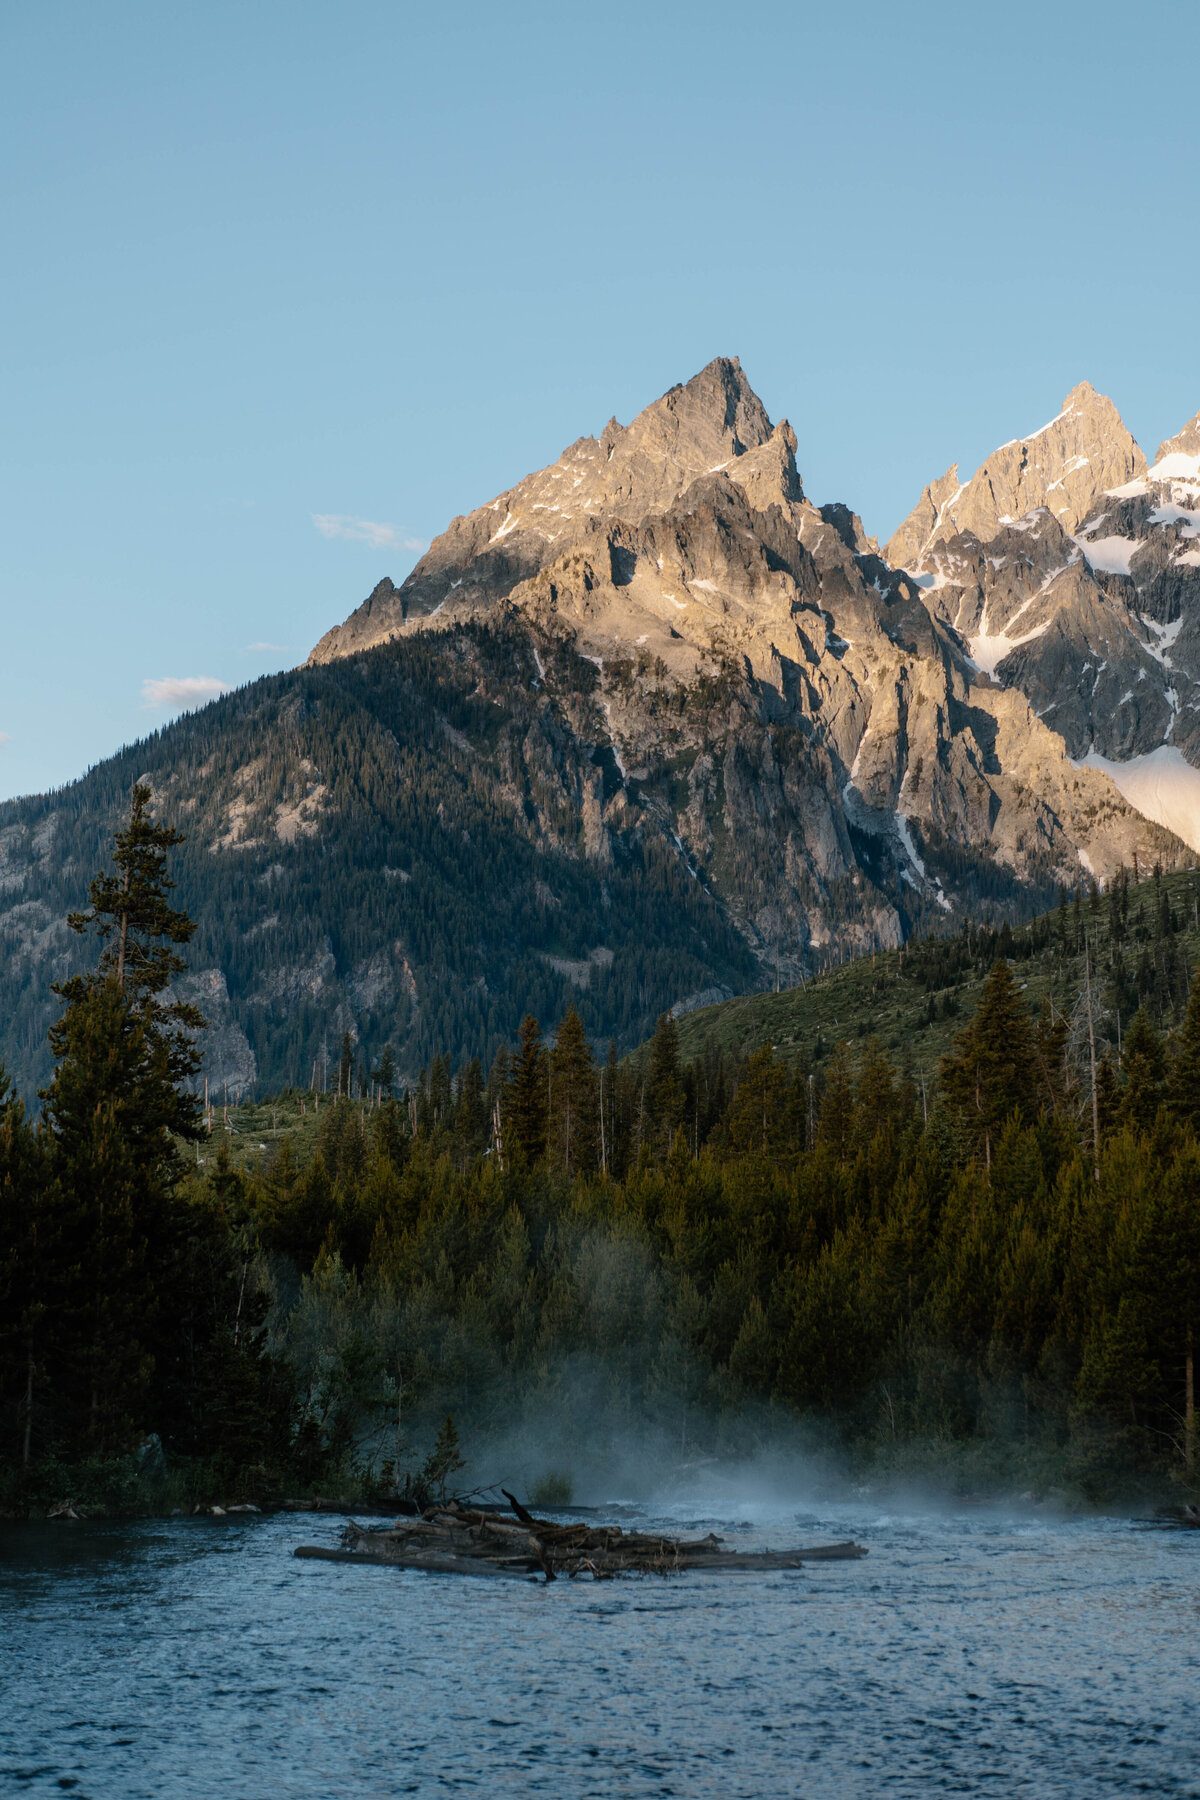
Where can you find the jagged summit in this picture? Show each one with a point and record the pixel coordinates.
(679, 552)
(1071, 571)
(1066, 465)
(1185, 444)
(713, 422)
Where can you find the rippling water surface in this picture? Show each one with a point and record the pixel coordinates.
(970, 1653)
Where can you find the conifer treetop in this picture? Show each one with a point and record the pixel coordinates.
(129, 909)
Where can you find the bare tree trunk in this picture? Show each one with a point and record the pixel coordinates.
(28, 1438)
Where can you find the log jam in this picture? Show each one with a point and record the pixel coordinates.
(470, 1541)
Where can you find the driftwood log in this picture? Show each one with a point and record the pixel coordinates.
(470, 1541)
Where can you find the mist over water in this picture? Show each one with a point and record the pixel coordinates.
(982, 1649)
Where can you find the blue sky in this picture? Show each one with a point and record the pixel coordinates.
(269, 265)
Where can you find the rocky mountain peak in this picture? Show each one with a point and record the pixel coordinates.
(1067, 465)
(1185, 443)
(718, 397)
(711, 424)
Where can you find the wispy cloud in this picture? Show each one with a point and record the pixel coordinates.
(170, 692)
(4, 738)
(285, 649)
(366, 531)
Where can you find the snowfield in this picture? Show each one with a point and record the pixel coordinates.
(1162, 786)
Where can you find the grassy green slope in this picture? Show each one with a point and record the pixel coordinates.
(890, 994)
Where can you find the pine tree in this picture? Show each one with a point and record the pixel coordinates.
(26, 1262)
(1145, 1066)
(1108, 1096)
(346, 1068)
(572, 1088)
(114, 1109)
(663, 1099)
(130, 914)
(384, 1076)
(835, 1121)
(524, 1105)
(991, 1071)
(763, 1118)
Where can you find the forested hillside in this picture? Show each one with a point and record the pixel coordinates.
(390, 845)
(1137, 945)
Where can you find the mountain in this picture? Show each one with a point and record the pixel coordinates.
(1084, 450)
(1070, 572)
(648, 729)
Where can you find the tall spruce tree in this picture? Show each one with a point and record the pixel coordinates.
(1144, 1061)
(992, 1070)
(663, 1097)
(524, 1106)
(114, 1111)
(573, 1124)
(835, 1124)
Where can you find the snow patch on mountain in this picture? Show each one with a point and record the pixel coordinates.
(988, 649)
(1166, 635)
(1161, 784)
(1176, 467)
(1109, 555)
(910, 850)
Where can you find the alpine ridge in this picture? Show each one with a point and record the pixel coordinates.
(1070, 571)
(652, 727)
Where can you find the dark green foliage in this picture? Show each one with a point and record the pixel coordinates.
(527, 1096)
(438, 854)
(128, 1307)
(444, 1460)
(991, 1075)
(130, 914)
(663, 1094)
(28, 1252)
(1184, 1082)
(573, 1118)
(672, 1243)
(1145, 1066)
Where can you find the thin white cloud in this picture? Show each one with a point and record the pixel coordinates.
(285, 649)
(174, 691)
(365, 531)
(4, 738)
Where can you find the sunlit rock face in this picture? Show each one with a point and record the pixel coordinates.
(1068, 568)
(860, 731)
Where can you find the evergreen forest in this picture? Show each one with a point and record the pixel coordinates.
(574, 1262)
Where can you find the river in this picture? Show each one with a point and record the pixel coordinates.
(975, 1651)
